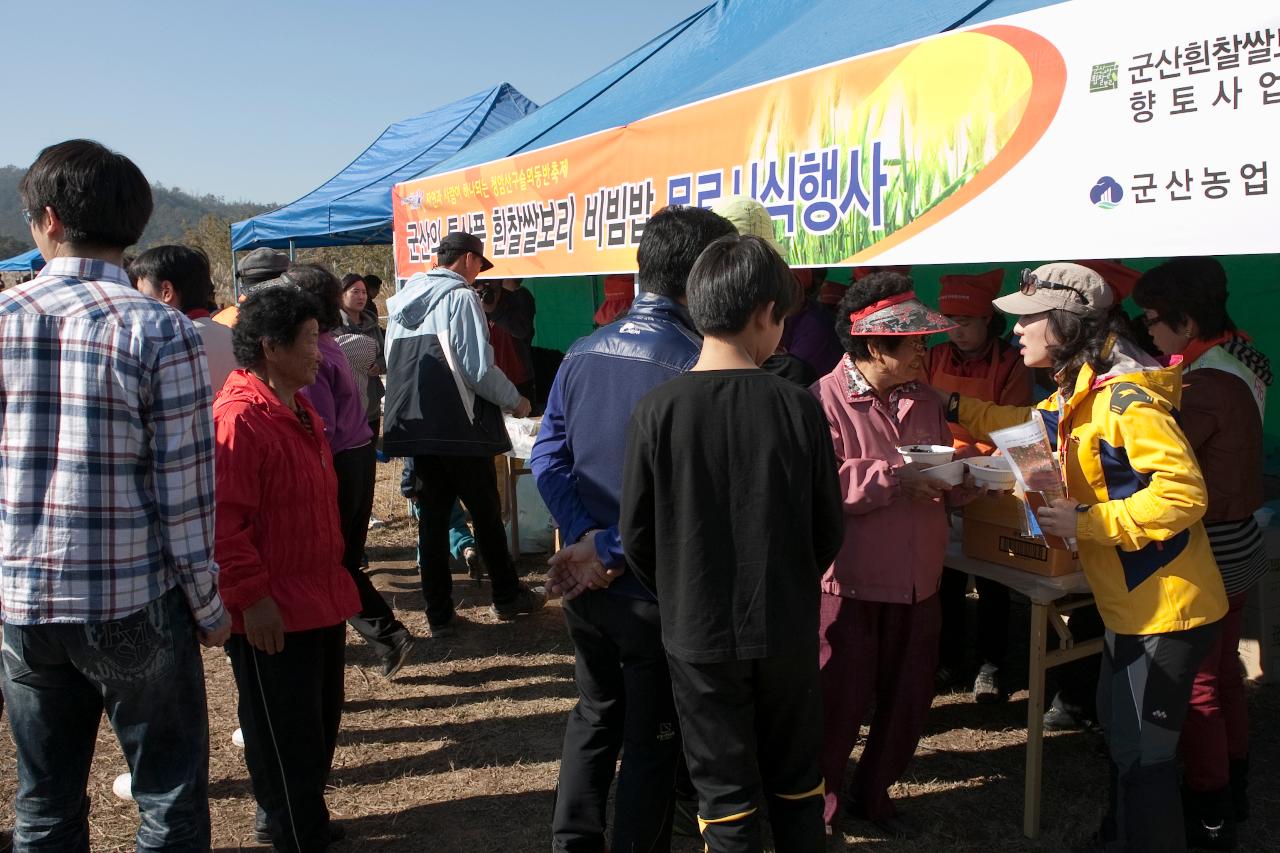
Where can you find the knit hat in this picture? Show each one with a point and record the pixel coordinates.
(751, 218)
(1116, 274)
(619, 291)
(832, 292)
(860, 273)
(261, 265)
(970, 295)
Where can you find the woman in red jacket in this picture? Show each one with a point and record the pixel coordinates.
(279, 546)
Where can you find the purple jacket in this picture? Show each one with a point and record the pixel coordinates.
(337, 400)
(811, 335)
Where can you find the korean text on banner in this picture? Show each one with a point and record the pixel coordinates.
(1043, 135)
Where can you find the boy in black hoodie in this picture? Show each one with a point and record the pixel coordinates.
(730, 513)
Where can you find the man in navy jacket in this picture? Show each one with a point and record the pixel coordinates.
(624, 689)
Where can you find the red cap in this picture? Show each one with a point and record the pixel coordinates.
(619, 291)
(1121, 278)
(832, 292)
(860, 273)
(970, 295)
(804, 277)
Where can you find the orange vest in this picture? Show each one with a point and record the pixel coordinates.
(982, 387)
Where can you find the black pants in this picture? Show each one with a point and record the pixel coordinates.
(1144, 691)
(445, 479)
(993, 621)
(356, 478)
(290, 708)
(624, 703)
(752, 731)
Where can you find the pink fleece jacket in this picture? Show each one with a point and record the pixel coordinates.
(893, 546)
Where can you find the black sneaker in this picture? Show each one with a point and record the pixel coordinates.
(1058, 720)
(394, 660)
(443, 631)
(262, 835)
(525, 602)
(948, 679)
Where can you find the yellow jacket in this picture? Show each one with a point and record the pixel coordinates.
(1141, 543)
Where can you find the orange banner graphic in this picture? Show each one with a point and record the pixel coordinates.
(849, 159)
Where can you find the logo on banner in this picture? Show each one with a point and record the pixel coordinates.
(1106, 193)
(1105, 77)
(413, 200)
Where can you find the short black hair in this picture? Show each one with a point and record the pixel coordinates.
(350, 279)
(274, 314)
(102, 198)
(733, 278)
(324, 287)
(186, 268)
(449, 257)
(861, 293)
(1187, 288)
(372, 285)
(673, 239)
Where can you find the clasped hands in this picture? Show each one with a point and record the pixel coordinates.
(577, 569)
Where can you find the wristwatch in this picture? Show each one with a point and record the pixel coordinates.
(953, 408)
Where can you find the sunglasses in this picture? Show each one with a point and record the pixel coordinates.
(1030, 284)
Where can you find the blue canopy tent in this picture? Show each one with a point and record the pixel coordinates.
(26, 262)
(726, 46)
(354, 206)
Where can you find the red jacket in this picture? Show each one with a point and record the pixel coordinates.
(277, 530)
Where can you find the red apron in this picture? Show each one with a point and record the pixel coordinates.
(981, 387)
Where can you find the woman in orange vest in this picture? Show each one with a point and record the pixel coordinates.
(975, 362)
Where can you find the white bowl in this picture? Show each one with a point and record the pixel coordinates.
(991, 472)
(951, 473)
(929, 454)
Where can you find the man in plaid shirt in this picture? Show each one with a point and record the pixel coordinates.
(106, 516)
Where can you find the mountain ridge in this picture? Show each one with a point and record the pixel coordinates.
(176, 211)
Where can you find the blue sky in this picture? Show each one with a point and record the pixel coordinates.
(264, 100)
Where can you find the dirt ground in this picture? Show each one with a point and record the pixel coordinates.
(460, 752)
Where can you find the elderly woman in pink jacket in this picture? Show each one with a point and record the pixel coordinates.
(879, 613)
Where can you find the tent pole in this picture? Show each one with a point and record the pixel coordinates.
(235, 273)
(293, 253)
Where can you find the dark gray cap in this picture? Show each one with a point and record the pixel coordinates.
(262, 264)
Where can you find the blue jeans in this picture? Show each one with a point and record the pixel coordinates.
(146, 672)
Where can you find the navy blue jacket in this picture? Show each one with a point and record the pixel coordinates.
(577, 459)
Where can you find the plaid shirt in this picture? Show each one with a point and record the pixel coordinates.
(106, 451)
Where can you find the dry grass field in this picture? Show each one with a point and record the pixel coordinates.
(460, 753)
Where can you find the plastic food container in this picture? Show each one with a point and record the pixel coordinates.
(929, 454)
(991, 472)
(952, 473)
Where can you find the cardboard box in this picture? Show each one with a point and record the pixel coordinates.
(1006, 546)
(1004, 510)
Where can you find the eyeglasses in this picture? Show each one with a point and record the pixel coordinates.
(1030, 284)
(26, 215)
(1148, 321)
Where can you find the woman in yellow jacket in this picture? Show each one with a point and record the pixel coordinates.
(1135, 499)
